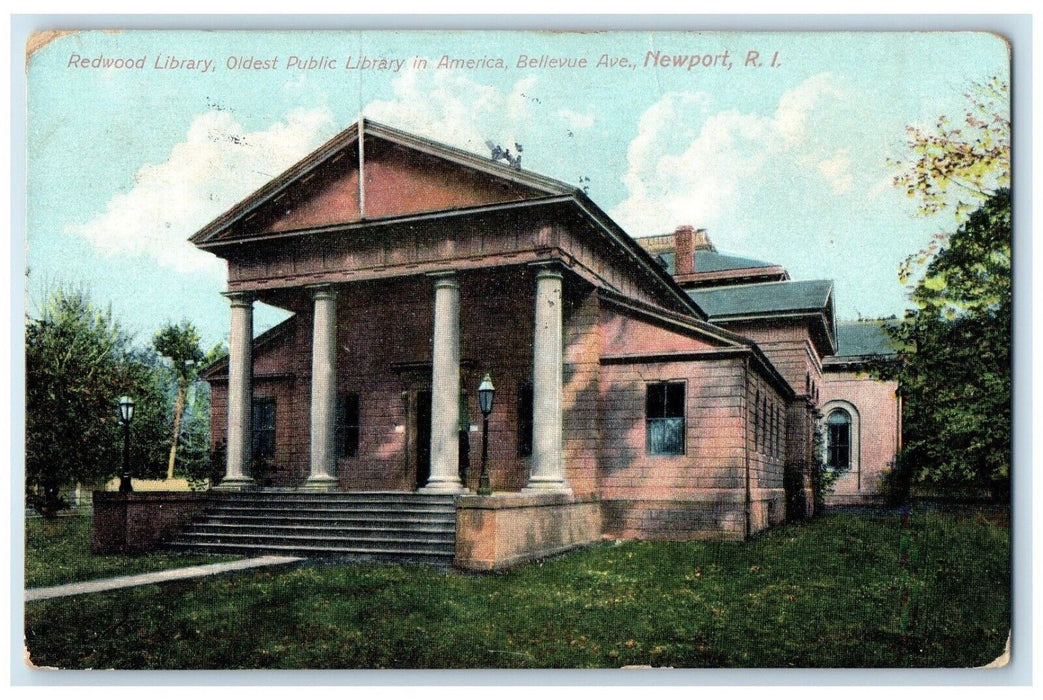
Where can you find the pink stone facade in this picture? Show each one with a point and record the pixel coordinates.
(875, 406)
(751, 386)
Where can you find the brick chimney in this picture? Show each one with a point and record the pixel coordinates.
(684, 250)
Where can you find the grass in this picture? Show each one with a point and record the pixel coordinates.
(827, 593)
(58, 551)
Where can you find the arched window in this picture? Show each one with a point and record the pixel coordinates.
(838, 440)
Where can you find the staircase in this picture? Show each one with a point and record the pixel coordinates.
(362, 526)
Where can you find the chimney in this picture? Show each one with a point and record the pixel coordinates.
(684, 250)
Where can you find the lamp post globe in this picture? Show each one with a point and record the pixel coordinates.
(126, 414)
(486, 393)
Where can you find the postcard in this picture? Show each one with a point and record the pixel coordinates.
(518, 349)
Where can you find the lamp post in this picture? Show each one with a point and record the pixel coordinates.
(486, 392)
(126, 406)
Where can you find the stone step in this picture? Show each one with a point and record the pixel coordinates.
(446, 534)
(341, 520)
(391, 554)
(389, 526)
(324, 511)
(426, 545)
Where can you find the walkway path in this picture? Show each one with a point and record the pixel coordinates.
(110, 584)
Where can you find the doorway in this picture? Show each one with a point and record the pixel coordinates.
(423, 437)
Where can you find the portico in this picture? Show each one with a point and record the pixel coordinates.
(412, 270)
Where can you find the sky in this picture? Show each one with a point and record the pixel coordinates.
(780, 157)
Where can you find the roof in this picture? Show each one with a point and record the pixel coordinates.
(863, 338)
(712, 261)
(758, 299)
(536, 191)
(222, 227)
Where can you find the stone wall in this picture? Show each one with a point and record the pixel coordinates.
(496, 532)
(137, 522)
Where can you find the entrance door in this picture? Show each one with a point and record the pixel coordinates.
(423, 437)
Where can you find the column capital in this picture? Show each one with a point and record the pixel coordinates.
(322, 291)
(445, 279)
(548, 269)
(240, 299)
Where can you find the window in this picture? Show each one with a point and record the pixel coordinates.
(772, 432)
(664, 418)
(525, 419)
(778, 437)
(263, 425)
(757, 421)
(764, 424)
(347, 425)
(838, 440)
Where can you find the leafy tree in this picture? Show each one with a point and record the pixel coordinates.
(960, 166)
(75, 370)
(956, 372)
(180, 345)
(956, 375)
(956, 167)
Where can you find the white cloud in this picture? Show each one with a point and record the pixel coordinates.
(576, 120)
(218, 164)
(449, 107)
(691, 165)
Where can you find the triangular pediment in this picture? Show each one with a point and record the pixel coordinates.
(402, 175)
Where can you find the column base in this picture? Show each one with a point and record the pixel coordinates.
(236, 483)
(444, 487)
(549, 486)
(320, 484)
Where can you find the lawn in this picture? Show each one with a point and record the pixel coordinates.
(59, 551)
(827, 593)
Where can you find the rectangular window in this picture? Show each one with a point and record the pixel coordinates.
(263, 428)
(664, 418)
(764, 424)
(839, 443)
(525, 419)
(347, 425)
(778, 431)
(757, 421)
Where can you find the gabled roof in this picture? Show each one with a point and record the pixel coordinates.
(346, 144)
(347, 155)
(769, 301)
(759, 299)
(706, 262)
(863, 339)
(712, 261)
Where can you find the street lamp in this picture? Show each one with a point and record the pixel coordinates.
(486, 392)
(126, 405)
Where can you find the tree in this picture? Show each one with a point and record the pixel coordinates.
(956, 167)
(960, 166)
(956, 375)
(75, 370)
(180, 345)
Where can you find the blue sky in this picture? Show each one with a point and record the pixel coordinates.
(784, 163)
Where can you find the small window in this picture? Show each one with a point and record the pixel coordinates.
(778, 427)
(771, 428)
(757, 421)
(763, 427)
(263, 425)
(664, 418)
(838, 440)
(348, 425)
(524, 419)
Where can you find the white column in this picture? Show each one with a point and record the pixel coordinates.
(323, 475)
(445, 388)
(548, 471)
(240, 393)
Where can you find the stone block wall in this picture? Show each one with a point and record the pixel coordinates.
(135, 523)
